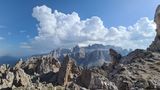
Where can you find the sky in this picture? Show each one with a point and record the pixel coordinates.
(37, 26)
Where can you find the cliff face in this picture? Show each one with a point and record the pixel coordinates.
(157, 20)
(155, 46)
(92, 55)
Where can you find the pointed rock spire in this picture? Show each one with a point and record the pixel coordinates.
(115, 56)
(65, 71)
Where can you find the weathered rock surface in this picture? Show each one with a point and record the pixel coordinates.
(139, 70)
(66, 71)
(21, 78)
(6, 77)
(115, 56)
(94, 81)
(138, 53)
(41, 65)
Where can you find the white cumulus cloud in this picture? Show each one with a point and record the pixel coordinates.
(57, 29)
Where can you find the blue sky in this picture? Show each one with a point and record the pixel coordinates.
(19, 27)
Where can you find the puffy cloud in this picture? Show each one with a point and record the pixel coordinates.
(56, 29)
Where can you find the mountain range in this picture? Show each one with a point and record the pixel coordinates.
(91, 55)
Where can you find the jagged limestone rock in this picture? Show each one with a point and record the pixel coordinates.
(21, 78)
(94, 81)
(7, 80)
(65, 71)
(41, 65)
(115, 56)
(4, 68)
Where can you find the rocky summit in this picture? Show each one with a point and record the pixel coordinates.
(138, 70)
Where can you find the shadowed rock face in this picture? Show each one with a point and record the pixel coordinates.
(157, 20)
(115, 56)
(155, 46)
(94, 80)
(65, 71)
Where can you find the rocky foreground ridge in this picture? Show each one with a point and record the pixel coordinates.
(139, 70)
